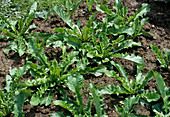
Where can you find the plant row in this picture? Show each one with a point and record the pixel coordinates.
(93, 53)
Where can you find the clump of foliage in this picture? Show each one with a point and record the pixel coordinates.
(93, 39)
(12, 98)
(77, 107)
(18, 29)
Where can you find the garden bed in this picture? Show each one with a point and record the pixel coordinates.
(158, 25)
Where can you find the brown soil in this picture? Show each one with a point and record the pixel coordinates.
(158, 25)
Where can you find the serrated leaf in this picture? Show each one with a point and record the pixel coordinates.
(142, 80)
(97, 71)
(104, 9)
(64, 105)
(66, 19)
(113, 89)
(126, 44)
(140, 13)
(125, 79)
(35, 82)
(136, 59)
(160, 56)
(128, 103)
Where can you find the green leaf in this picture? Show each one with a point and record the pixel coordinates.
(121, 70)
(35, 82)
(13, 25)
(136, 59)
(140, 13)
(79, 23)
(36, 71)
(89, 4)
(8, 83)
(97, 100)
(118, 21)
(57, 114)
(126, 29)
(73, 41)
(37, 51)
(151, 96)
(124, 80)
(10, 34)
(56, 40)
(141, 81)
(97, 71)
(35, 100)
(118, 40)
(92, 54)
(18, 72)
(75, 6)
(33, 8)
(160, 56)
(127, 105)
(163, 90)
(142, 23)
(66, 19)
(126, 44)
(18, 105)
(144, 33)
(113, 89)
(65, 105)
(104, 9)
(82, 64)
(47, 99)
(75, 84)
(167, 55)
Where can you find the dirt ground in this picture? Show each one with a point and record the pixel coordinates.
(158, 25)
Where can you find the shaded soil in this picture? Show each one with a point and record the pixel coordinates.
(158, 25)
